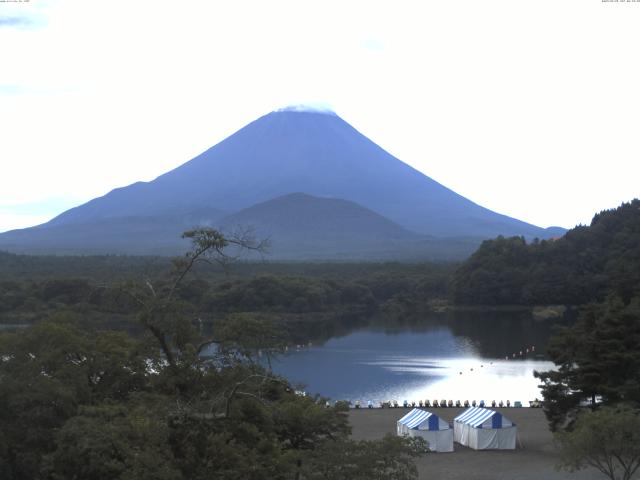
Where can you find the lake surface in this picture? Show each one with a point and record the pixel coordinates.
(456, 360)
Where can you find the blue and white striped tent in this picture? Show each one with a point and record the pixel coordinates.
(484, 429)
(421, 423)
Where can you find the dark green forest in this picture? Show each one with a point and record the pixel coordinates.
(585, 265)
(311, 301)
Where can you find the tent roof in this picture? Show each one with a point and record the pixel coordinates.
(476, 416)
(416, 417)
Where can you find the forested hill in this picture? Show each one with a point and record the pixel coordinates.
(584, 265)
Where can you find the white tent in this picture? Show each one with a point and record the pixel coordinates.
(484, 429)
(420, 423)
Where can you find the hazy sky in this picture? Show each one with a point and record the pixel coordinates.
(528, 107)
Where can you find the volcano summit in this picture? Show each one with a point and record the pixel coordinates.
(317, 155)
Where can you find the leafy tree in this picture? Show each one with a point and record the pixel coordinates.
(597, 358)
(248, 337)
(168, 318)
(607, 440)
(115, 441)
(388, 459)
(46, 373)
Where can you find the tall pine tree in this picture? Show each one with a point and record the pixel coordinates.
(597, 358)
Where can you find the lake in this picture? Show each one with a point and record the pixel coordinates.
(462, 358)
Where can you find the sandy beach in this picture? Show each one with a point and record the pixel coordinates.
(533, 459)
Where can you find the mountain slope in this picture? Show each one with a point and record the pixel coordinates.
(298, 227)
(301, 216)
(133, 235)
(283, 152)
(315, 153)
(302, 226)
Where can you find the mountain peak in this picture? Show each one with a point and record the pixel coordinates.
(303, 148)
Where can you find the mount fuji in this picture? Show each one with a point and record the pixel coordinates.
(350, 199)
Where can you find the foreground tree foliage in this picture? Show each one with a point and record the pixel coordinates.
(597, 360)
(607, 440)
(389, 459)
(77, 403)
(46, 374)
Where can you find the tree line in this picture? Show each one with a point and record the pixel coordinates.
(310, 300)
(585, 265)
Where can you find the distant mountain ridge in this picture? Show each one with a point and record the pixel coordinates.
(300, 226)
(298, 215)
(281, 153)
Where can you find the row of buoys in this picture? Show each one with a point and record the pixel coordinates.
(527, 350)
(441, 404)
(471, 369)
(450, 404)
(298, 347)
(438, 404)
(531, 349)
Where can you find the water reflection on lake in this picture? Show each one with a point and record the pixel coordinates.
(427, 362)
